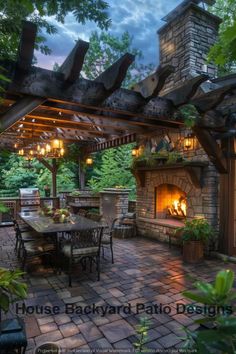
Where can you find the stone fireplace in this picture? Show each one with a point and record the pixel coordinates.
(189, 190)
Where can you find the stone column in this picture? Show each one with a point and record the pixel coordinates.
(185, 41)
(113, 203)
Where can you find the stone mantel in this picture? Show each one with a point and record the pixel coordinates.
(194, 169)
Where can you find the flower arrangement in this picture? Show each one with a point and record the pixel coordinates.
(61, 216)
(58, 215)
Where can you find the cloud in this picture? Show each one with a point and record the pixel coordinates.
(141, 18)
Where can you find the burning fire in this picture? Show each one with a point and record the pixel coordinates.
(178, 207)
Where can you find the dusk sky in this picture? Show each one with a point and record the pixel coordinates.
(141, 18)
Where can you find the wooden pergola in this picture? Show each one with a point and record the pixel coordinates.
(40, 104)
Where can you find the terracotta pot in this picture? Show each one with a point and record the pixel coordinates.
(193, 251)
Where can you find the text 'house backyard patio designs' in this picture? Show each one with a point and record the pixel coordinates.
(194, 176)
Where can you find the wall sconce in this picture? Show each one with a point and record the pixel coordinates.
(189, 142)
(89, 161)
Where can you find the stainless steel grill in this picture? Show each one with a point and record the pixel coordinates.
(29, 199)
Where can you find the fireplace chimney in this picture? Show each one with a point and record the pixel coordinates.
(185, 41)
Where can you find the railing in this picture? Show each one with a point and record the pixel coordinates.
(13, 204)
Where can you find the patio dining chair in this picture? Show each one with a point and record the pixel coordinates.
(34, 247)
(107, 238)
(22, 233)
(84, 245)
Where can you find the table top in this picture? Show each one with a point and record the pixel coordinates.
(45, 224)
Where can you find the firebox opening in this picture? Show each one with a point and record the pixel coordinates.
(171, 202)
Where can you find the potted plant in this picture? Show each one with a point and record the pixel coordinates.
(174, 157)
(217, 330)
(47, 191)
(11, 288)
(194, 235)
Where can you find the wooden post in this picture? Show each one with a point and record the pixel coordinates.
(81, 173)
(54, 177)
(227, 229)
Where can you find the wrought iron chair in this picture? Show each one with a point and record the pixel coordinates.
(34, 247)
(24, 233)
(107, 238)
(83, 245)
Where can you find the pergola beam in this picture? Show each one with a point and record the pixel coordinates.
(88, 94)
(152, 85)
(113, 76)
(26, 46)
(71, 126)
(72, 66)
(18, 110)
(91, 119)
(212, 99)
(182, 95)
(212, 149)
(123, 116)
(127, 139)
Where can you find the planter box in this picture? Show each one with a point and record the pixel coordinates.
(193, 251)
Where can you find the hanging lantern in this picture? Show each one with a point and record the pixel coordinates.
(48, 148)
(56, 144)
(21, 152)
(62, 152)
(42, 151)
(134, 151)
(189, 142)
(89, 161)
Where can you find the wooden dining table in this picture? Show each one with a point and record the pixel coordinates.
(46, 225)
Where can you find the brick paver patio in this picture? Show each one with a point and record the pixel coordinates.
(145, 273)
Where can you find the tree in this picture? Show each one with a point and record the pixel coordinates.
(105, 49)
(112, 167)
(15, 174)
(223, 53)
(14, 11)
(114, 170)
